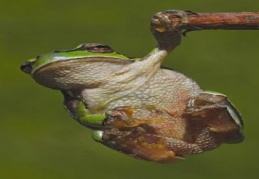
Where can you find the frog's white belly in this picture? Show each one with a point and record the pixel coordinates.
(166, 89)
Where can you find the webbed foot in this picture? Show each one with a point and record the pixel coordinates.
(168, 26)
(216, 112)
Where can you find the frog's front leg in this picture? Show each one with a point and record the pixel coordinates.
(77, 109)
(167, 30)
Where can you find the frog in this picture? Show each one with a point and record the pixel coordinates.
(51, 70)
(136, 106)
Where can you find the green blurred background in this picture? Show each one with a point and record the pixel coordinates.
(38, 140)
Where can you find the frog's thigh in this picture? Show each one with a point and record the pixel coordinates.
(181, 147)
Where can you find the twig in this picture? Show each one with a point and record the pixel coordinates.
(166, 26)
(226, 21)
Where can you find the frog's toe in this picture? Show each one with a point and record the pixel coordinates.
(97, 135)
(182, 14)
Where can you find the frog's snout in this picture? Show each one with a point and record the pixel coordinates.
(26, 67)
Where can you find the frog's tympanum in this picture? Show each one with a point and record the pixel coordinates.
(134, 105)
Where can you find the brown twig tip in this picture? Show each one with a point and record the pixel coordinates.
(184, 21)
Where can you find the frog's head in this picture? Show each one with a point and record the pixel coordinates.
(81, 66)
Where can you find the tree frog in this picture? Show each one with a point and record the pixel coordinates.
(136, 106)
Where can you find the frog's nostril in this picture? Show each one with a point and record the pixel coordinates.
(26, 67)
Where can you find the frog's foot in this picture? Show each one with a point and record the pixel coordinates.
(216, 112)
(170, 20)
(124, 117)
(168, 26)
(140, 144)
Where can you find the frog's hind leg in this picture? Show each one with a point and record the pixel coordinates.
(138, 143)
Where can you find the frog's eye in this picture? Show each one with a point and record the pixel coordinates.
(96, 48)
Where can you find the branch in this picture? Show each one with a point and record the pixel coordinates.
(225, 21)
(166, 26)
